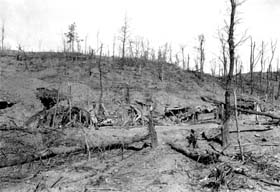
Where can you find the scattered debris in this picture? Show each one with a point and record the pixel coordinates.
(199, 155)
(49, 97)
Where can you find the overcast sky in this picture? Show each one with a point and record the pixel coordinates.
(40, 24)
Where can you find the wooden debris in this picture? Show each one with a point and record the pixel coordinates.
(49, 97)
(202, 156)
(249, 111)
(102, 139)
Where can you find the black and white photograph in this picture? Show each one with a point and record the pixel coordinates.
(139, 96)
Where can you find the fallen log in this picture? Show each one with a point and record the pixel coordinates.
(211, 100)
(252, 130)
(75, 140)
(206, 157)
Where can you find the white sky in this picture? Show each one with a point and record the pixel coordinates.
(40, 24)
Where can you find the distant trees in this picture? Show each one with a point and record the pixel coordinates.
(273, 46)
(223, 58)
(124, 36)
(269, 75)
(72, 38)
(213, 67)
(183, 56)
(201, 54)
(253, 62)
(161, 60)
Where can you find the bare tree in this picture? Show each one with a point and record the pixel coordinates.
(267, 80)
(78, 42)
(131, 52)
(114, 46)
(162, 60)
(223, 59)
(196, 65)
(231, 46)
(85, 49)
(213, 67)
(170, 54)
(188, 62)
(124, 36)
(277, 69)
(240, 78)
(100, 75)
(273, 48)
(151, 126)
(201, 52)
(64, 43)
(253, 62)
(183, 56)
(262, 61)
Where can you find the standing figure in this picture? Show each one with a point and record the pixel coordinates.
(192, 139)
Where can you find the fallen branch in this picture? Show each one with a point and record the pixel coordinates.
(252, 130)
(258, 179)
(59, 179)
(202, 156)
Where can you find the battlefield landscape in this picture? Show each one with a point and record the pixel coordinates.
(140, 118)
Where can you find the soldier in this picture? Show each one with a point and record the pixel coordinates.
(192, 139)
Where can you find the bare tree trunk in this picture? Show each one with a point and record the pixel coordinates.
(188, 62)
(240, 80)
(152, 131)
(127, 94)
(252, 62)
(100, 76)
(183, 57)
(272, 93)
(114, 45)
(225, 130)
(273, 48)
(70, 103)
(267, 81)
(260, 80)
(262, 63)
(55, 111)
(237, 127)
(124, 31)
(236, 71)
(202, 53)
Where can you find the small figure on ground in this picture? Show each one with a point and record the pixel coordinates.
(192, 139)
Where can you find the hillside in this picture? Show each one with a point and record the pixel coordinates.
(48, 143)
(178, 89)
